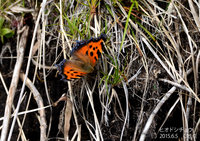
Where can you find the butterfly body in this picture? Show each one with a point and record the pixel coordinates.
(83, 58)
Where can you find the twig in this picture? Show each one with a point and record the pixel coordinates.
(134, 76)
(68, 115)
(155, 111)
(39, 101)
(126, 120)
(43, 45)
(194, 14)
(184, 120)
(176, 84)
(6, 89)
(28, 111)
(169, 112)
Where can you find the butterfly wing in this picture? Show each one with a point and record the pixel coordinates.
(70, 70)
(83, 58)
(91, 48)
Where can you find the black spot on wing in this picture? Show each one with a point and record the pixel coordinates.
(95, 58)
(60, 68)
(102, 45)
(98, 53)
(87, 52)
(91, 53)
(80, 44)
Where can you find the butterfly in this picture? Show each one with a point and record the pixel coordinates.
(83, 58)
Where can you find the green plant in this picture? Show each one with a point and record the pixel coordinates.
(5, 32)
(117, 76)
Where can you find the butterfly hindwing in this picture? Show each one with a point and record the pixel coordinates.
(71, 70)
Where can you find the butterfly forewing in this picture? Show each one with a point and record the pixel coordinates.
(93, 50)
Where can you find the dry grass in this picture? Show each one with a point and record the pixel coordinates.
(146, 82)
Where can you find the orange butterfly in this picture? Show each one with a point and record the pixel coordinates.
(83, 58)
